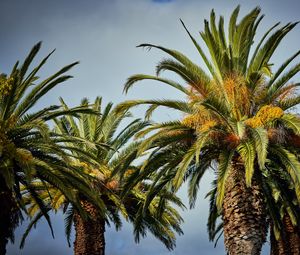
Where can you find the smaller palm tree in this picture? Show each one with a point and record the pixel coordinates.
(102, 166)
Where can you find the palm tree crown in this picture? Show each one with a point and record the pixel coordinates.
(102, 152)
(237, 116)
(28, 150)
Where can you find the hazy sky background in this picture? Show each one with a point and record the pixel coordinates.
(103, 34)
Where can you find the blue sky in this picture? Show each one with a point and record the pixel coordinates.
(103, 35)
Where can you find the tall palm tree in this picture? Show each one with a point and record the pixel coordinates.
(237, 117)
(28, 151)
(104, 165)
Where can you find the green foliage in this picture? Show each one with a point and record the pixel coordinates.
(104, 153)
(223, 172)
(247, 153)
(235, 113)
(29, 152)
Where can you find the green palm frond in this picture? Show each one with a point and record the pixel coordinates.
(292, 122)
(292, 165)
(197, 172)
(201, 52)
(282, 68)
(185, 61)
(184, 165)
(260, 137)
(236, 114)
(42, 88)
(190, 76)
(177, 105)
(100, 155)
(247, 152)
(282, 81)
(266, 51)
(223, 172)
(139, 77)
(68, 224)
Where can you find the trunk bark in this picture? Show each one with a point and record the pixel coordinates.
(278, 247)
(289, 244)
(89, 238)
(9, 217)
(244, 216)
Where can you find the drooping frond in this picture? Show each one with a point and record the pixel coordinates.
(177, 105)
(139, 77)
(260, 137)
(247, 152)
(223, 171)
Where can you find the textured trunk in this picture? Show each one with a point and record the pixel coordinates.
(89, 238)
(278, 247)
(289, 244)
(244, 217)
(9, 217)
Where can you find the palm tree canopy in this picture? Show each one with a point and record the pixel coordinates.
(240, 110)
(99, 147)
(28, 150)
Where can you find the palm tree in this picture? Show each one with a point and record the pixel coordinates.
(28, 151)
(104, 165)
(237, 117)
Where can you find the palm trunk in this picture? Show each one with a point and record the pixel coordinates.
(278, 247)
(244, 217)
(9, 217)
(89, 238)
(288, 244)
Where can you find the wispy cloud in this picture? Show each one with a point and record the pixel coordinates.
(103, 35)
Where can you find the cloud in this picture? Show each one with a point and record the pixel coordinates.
(103, 35)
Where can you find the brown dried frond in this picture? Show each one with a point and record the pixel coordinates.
(259, 94)
(277, 135)
(194, 95)
(272, 133)
(201, 87)
(232, 140)
(294, 140)
(112, 185)
(287, 92)
(176, 132)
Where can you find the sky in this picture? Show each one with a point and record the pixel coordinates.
(102, 35)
